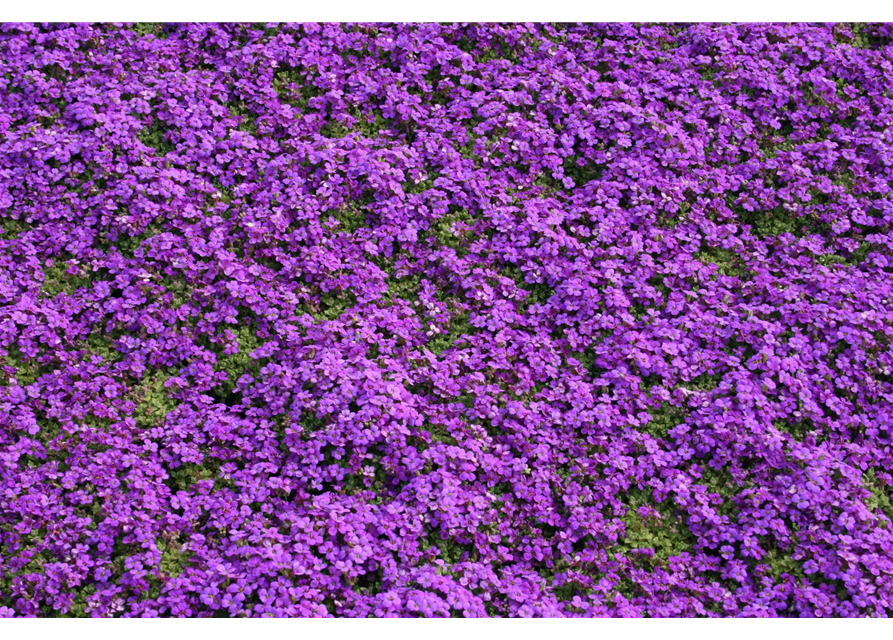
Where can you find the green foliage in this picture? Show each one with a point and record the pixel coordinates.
(294, 88)
(799, 429)
(27, 370)
(663, 420)
(150, 28)
(765, 224)
(881, 499)
(12, 228)
(830, 259)
(334, 129)
(586, 358)
(370, 128)
(780, 563)
(449, 550)
(350, 217)
(99, 343)
(722, 483)
(727, 262)
(704, 382)
(406, 287)
(311, 422)
(665, 533)
(708, 73)
(224, 193)
(658, 281)
(333, 304)
(155, 136)
(438, 433)
(78, 606)
(153, 401)
(449, 234)
(582, 172)
(565, 592)
(459, 326)
(183, 478)
(247, 118)
(421, 186)
(237, 364)
(537, 292)
(867, 36)
(57, 279)
(128, 244)
(854, 258)
(369, 582)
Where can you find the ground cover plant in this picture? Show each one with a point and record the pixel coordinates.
(446, 320)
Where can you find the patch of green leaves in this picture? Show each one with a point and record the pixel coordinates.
(448, 234)
(582, 172)
(780, 564)
(704, 382)
(722, 483)
(663, 420)
(237, 364)
(333, 304)
(247, 118)
(350, 217)
(458, 327)
(854, 258)
(405, 288)
(665, 533)
(727, 262)
(12, 228)
(58, 280)
(766, 224)
(881, 499)
(153, 401)
(155, 136)
(156, 29)
(99, 343)
(868, 36)
(294, 87)
(537, 292)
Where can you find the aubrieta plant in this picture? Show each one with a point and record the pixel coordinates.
(446, 320)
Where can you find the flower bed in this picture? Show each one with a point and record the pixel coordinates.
(432, 320)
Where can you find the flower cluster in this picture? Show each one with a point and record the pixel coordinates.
(446, 320)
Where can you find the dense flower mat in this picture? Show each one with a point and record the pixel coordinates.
(433, 320)
(435, 627)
